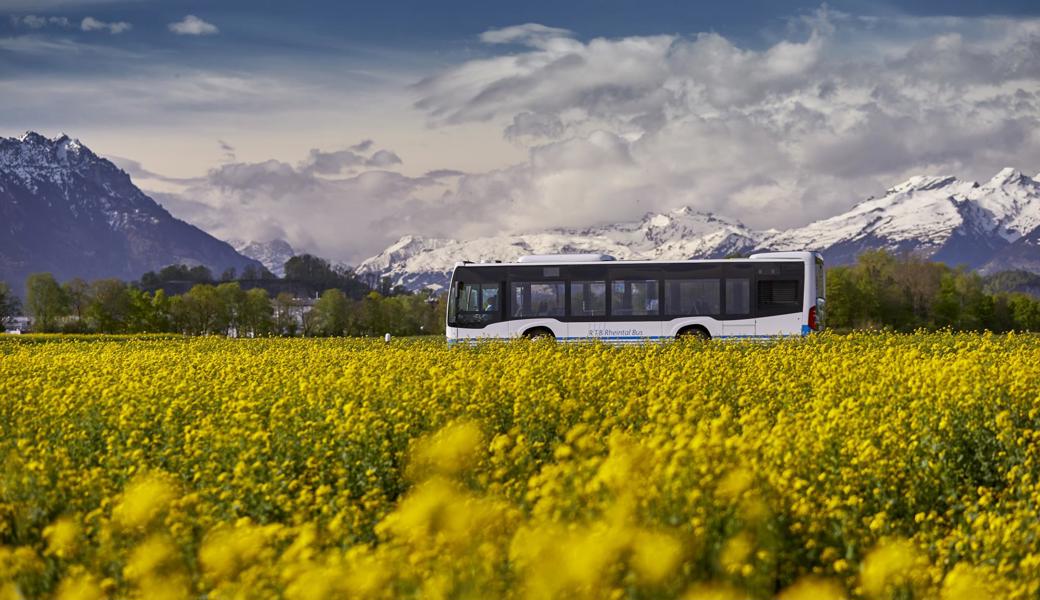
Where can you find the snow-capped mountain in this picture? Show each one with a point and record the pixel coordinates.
(417, 262)
(945, 218)
(272, 254)
(65, 210)
(994, 225)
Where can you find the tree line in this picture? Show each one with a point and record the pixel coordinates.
(904, 293)
(879, 291)
(305, 275)
(113, 306)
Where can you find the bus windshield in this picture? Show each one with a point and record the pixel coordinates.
(474, 304)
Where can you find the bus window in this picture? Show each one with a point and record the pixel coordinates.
(780, 295)
(689, 297)
(738, 296)
(633, 298)
(538, 299)
(476, 304)
(588, 298)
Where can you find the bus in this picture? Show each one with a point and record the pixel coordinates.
(595, 297)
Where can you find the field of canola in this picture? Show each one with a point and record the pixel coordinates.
(860, 466)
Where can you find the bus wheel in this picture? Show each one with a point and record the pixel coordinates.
(539, 333)
(695, 332)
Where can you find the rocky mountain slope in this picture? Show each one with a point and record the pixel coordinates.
(992, 226)
(65, 210)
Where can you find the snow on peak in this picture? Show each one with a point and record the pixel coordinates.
(33, 159)
(923, 182)
(31, 137)
(1006, 176)
(272, 254)
(1013, 202)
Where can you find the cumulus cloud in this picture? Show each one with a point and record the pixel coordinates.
(838, 110)
(192, 25)
(337, 203)
(114, 27)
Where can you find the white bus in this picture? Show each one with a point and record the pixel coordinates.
(591, 296)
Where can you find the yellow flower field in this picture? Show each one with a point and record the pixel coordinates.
(859, 466)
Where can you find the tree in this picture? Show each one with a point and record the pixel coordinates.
(318, 274)
(231, 298)
(149, 313)
(9, 304)
(109, 307)
(313, 270)
(77, 293)
(45, 301)
(329, 315)
(256, 313)
(199, 311)
(285, 310)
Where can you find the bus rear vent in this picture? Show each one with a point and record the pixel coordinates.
(564, 258)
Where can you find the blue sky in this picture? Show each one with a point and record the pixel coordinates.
(341, 126)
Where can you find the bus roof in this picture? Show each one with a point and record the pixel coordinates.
(773, 256)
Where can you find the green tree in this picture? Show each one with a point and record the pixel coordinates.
(1025, 312)
(256, 315)
(109, 307)
(329, 314)
(149, 313)
(200, 311)
(45, 301)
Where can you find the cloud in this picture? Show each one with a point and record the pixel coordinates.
(192, 25)
(362, 146)
(336, 162)
(530, 34)
(837, 110)
(302, 204)
(38, 22)
(532, 125)
(383, 158)
(92, 24)
(228, 149)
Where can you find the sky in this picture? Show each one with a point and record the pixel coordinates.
(342, 126)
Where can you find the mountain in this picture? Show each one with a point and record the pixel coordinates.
(417, 262)
(1021, 255)
(991, 226)
(272, 254)
(944, 218)
(65, 210)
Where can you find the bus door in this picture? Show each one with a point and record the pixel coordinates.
(737, 318)
(634, 310)
(588, 309)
